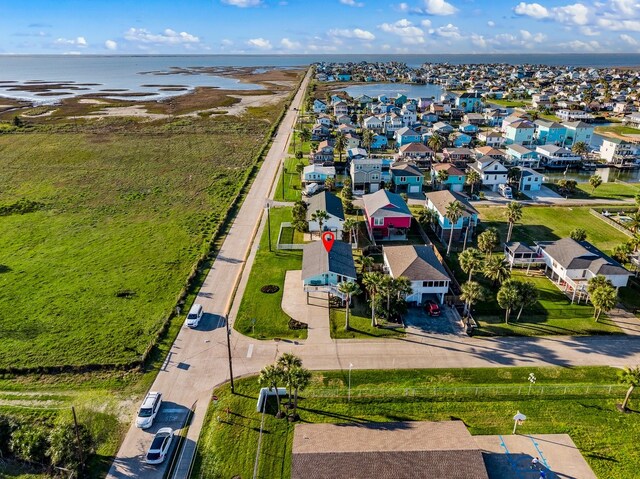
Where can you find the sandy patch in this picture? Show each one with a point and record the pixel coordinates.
(137, 111)
(41, 115)
(245, 102)
(91, 101)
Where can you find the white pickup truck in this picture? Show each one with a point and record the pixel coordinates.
(505, 190)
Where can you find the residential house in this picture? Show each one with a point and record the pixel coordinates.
(324, 120)
(468, 128)
(320, 132)
(429, 118)
(622, 107)
(549, 132)
(493, 139)
(492, 172)
(417, 151)
(442, 128)
(324, 153)
(460, 140)
(409, 116)
(530, 180)
(357, 153)
(474, 118)
(632, 120)
(332, 205)
(571, 264)
(494, 117)
(540, 100)
(392, 123)
(440, 109)
(406, 178)
(351, 140)
(617, 151)
(387, 216)
(490, 151)
(406, 135)
(366, 175)
(469, 102)
(574, 115)
(379, 142)
(319, 106)
(344, 77)
(457, 155)
(317, 174)
(373, 123)
(579, 131)
(465, 226)
(522, 156)
(552, 156)
(455, 177)
(340, 108)
(419, 264)
(520, 254)
(345, 121)
(520, 132)
(323, 271)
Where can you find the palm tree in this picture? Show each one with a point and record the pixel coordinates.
(305, 135)
(514, 213)
(603, 298)
(453, 214)
(629, 377)
(473, 178)
(634, 242)
(636, 197)
(349, 289)
(320, 217)
(441, 177)
(508, 297)
(634, 224)
(367, 139)
(496, 269)
(426, 217)
(528, 296)
(436, 143)
(597, 282)
(488, 240)
(401, 288)
(470, 261)
(373, 283)
(579, 148)
(578, 234)
(621, 253)
(341, 143)
(270, 377)
(349, 225)
(287, 363)
(472, 292)
(367, 263)
(299, 379)
(595, 181)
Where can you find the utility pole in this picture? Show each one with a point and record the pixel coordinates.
(269, 223)
(284, 170)
(75, 426)
(226, 322)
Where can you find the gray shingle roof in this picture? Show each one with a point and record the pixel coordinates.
(405, 169)
(316, 260)
(571, 254)
(442, 198)
(325, 201)
(517, 247)
(418, 263)
(385, 203)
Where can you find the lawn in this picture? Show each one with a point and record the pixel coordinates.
(291, 182)
(509, 103)
(269, 268)
(551, 223)
(552, 314)
(359, 323)
(603, 435)
(607, 191)
(618, 129)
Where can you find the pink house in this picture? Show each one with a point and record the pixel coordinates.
(387, 216)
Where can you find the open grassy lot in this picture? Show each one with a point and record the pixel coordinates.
(228, 443)
(619, 129)
(269, 268)
(359, 323)
(290, 183)
(553, 313)
(120, 216)
(607, 191)
(550, 223)
(509, 103)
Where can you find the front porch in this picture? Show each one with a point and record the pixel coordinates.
(575, 290)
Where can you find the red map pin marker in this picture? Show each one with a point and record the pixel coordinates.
(328, 238)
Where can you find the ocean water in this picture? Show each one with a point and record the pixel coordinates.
(125, 72)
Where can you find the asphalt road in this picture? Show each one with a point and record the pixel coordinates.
(197, 361)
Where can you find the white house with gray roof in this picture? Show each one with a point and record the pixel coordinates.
(323, 271)
(330, 203)
(419, 264)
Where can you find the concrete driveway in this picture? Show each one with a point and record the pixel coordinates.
(419, 322)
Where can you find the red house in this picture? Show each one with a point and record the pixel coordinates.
(387, 216)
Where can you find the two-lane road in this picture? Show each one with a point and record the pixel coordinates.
(197, 361)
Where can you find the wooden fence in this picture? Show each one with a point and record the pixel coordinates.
(609, 221)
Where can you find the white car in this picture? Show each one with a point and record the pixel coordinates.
(149, 410)
(160, 446)
(195, 315)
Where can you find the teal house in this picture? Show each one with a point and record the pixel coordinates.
(549, 132)
(406, 178)
(323, 271)
(405, 135)
(456, 178)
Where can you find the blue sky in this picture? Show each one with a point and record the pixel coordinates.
(318, 26)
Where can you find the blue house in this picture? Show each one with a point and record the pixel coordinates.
(319, 106)
(468, 128)
(549, 132)
(344, 77)
(406, 135)
(469, 102)
(400, 99)
(406, 178)
(438, 201)
(430, 118)
(521, 155)
(455, 178)
(317, 173)
(323, 271)
(460, 139)
(379, 142)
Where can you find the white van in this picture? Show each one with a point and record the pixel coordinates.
(505, 190)
(149, 410)
(195, 315)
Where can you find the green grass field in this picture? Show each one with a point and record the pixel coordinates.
(551, 223)
(510, 103)
(90, 277)
(291, 184)
(359, 323)
(619, 129)
(607, 191)
(269, 268)
(228, 443)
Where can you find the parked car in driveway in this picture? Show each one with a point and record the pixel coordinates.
(195, 315)
(160, 446)
(432, 308)
(149, 410)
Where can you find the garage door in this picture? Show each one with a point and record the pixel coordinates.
(414, 189)
(373, 187)
(527, 187)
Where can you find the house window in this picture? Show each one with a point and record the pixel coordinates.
(403, 179)
(378, 221)
(375, 177)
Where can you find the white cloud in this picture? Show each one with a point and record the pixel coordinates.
(478, 40)
(534, 10)
(626, 7)
(289, 44)
(225, 42)
(491, 23)
(449, 31)
(111, 45)
(439, 7)
(589, 31)
(576, 13)
(243, 3)
(167, 37)
(629, 39)
(352, 3)
(402, 28)
(355, 33)
(619, 25)
(78, 41)
(530, 37)
(403, 7)
(426, 23)
(581, 47)
(260, 43)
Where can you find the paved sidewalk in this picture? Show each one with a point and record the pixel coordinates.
(628, 322)
(314, 311)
